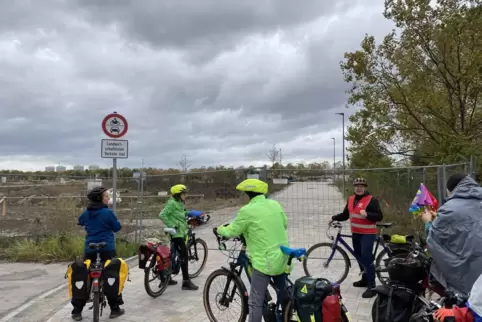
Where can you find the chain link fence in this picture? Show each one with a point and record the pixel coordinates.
(36, 206)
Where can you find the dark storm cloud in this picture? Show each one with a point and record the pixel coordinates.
(220, 81)
(187, 23)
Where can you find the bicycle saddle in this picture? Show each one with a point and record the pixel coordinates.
(294, 252)
(97, 245)
(384, 225)
(171, 231)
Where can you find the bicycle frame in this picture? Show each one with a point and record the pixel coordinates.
(236, 269)
(190, 240)
(340, 239)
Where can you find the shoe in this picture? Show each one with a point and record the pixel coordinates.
(77, 316)
(189, 286)
(172, 282)
(369, 293)
(361, 283)
(116, 313)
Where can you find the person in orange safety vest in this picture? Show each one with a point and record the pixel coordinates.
(364, 211)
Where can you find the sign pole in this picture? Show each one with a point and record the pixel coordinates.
(114, 183)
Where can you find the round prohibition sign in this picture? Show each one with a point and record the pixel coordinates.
(114, 125)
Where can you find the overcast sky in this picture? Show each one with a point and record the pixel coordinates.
(219, 81)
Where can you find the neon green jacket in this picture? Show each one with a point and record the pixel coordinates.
(174, 216)
(263, 223)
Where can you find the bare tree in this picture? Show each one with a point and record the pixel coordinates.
(184, 164)
(273, 154)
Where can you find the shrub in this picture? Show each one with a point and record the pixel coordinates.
(57, 248)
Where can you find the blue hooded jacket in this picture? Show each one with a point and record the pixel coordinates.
(100, 224)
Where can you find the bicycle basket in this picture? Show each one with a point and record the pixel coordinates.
(408, 271)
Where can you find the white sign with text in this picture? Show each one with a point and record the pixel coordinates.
(118, 149)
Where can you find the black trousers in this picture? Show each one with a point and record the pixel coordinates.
(114, 303)
(181, 247)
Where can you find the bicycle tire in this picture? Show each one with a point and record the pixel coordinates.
(201, 242)
(337, 249)
(147, 286)
(239, 285)
(96, 306)
(345, 315)
(378, 262)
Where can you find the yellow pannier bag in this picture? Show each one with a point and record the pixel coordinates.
(115, 274)
(78, 279)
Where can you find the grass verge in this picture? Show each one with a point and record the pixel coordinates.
(55, 248)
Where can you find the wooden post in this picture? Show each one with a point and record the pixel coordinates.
(4, 206)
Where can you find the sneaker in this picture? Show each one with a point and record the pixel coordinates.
(369, 293)
(361, 283)
(189, 286)
(116, 313)
(77, 316)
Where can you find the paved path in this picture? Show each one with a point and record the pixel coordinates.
(20, 282)
(308, 207)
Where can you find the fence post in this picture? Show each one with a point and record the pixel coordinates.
(472, 167)
(264, 173)
(439, 185)
(424, 176)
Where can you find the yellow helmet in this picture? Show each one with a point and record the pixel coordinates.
(253, 185)
(179, 188)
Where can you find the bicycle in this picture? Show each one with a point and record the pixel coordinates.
(96, 294)
(156, 268)
(283, 309)
(334, 247)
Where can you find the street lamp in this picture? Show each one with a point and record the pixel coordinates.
(334, 153)
(343, 146)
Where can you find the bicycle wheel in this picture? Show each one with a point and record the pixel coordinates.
(341, 265)
(235, 286)
(96, 306)
(160, 278)
(202, 256)
(289, 314)
(345, 315)
(381, 268)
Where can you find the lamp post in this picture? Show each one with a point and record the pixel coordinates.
(334, 154)
(343, 147)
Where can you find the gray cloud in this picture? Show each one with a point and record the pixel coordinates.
(218, 81)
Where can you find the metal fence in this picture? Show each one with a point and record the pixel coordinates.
(39, 206)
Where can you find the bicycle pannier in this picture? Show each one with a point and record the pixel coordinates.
(163, 257)
(143, 256)
(394, 304)
(309, 295)
(78, 279)
(114, 275)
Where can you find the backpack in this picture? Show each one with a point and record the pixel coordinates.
(114, 275)
(309, 294)
(78, 279)
(395, 303)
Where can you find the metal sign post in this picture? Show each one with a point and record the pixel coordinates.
(114, 126)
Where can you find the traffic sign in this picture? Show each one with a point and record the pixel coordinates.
(114, 149)
(114, 125)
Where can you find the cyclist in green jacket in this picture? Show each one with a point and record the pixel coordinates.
(174, 216)
(263, 223)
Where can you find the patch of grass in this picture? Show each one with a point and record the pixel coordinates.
(57, 248)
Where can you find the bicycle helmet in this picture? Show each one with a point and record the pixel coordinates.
(96, 194)
(360, 181)
(253, 185)
(177, 189)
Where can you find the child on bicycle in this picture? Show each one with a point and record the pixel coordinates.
(174, 216)
(100, 224)
(263, 223)
(364, 211)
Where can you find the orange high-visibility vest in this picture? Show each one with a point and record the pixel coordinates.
(359, 224)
